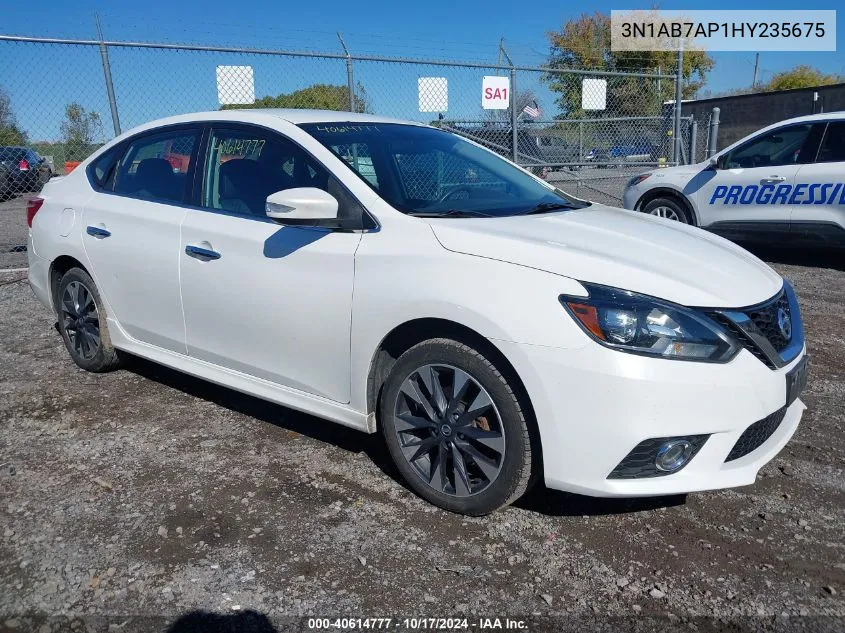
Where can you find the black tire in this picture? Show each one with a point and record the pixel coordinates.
(670, 208)
(506, 416)
(79, 319)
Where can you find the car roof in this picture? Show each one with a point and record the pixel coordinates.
(822, 116)
(261, 115)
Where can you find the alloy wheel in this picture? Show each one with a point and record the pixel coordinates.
(449, 430)
(665, 212)
(81, 320)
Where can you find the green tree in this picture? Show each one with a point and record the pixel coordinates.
(799, 77)
(584, 44)
(10, 132)
(80, 131)
(318, 96)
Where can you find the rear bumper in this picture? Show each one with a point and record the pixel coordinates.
(594, 405)
(39, 275)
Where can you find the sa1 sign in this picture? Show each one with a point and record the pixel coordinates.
(495, 93)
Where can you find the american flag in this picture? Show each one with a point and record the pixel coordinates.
(532, 110)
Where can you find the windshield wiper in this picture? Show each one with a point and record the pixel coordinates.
(451, 213)
(545, 207)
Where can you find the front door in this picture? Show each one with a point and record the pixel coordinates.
(267, 300)
(755, 181)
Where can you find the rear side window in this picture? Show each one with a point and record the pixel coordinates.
(833, 145)
(155, 167)
(102, 169)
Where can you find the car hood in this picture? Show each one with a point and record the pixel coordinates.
(620, 248)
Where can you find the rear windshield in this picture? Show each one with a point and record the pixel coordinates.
(12, 153)
(425, 171)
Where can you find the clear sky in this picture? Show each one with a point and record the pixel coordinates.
(439, 29)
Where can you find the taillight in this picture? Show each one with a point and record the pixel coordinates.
(23, 165)
(32, 206)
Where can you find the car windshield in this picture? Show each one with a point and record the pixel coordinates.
(427, 172)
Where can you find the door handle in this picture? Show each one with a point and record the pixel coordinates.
(204, 254)
(772, 179)
(98, 232)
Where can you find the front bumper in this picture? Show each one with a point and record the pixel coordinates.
(630, 197)
(593, 405)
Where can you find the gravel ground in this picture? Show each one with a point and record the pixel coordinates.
(128, 499)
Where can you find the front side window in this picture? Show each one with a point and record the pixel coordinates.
(244, 166)
(155, 167)
(779, 147)
(425, 171)
(832, 149)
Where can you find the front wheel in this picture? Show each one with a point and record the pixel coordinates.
(82, 322)
(455, 428)
(669, 208)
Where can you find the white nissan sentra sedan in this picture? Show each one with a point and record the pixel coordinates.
(395, 278)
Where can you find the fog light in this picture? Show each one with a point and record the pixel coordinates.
(673, 455)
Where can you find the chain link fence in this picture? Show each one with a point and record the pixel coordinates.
(586, 131)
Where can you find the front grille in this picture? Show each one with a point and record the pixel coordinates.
(748, 326)
(756, 435)
(743, 339)
(640, 461)
(765, 318)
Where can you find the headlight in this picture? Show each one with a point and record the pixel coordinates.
(640, 324)
(638, 179)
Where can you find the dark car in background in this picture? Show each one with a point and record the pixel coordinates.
(558, 150)
(499, 139)
(22, 169)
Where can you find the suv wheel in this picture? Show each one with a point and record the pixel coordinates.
(82, 323)
(669, 208)
(455, 428)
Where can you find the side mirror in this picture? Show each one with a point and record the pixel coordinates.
(302, 205)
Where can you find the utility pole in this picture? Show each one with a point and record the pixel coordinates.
(756, 66)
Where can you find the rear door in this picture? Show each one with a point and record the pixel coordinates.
(820, 213)
(131, 232)
(755, 181)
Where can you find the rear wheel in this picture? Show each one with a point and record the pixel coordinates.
(455, 428)
(669, 208)
(82, 323)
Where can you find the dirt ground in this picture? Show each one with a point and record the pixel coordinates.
(129, 499)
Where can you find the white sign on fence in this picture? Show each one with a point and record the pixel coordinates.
(495, 93)
(235, 85)
(433, 94)
(593, 94)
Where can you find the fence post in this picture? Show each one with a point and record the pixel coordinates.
(580, 140)
(104, 55)
(693, 141)
(679, 76)
(514, 117)
(350, 82)
(714, 132)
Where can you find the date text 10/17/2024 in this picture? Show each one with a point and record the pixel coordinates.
(417, 624)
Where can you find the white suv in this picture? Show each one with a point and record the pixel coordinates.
(393, 277)
(785, 182)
